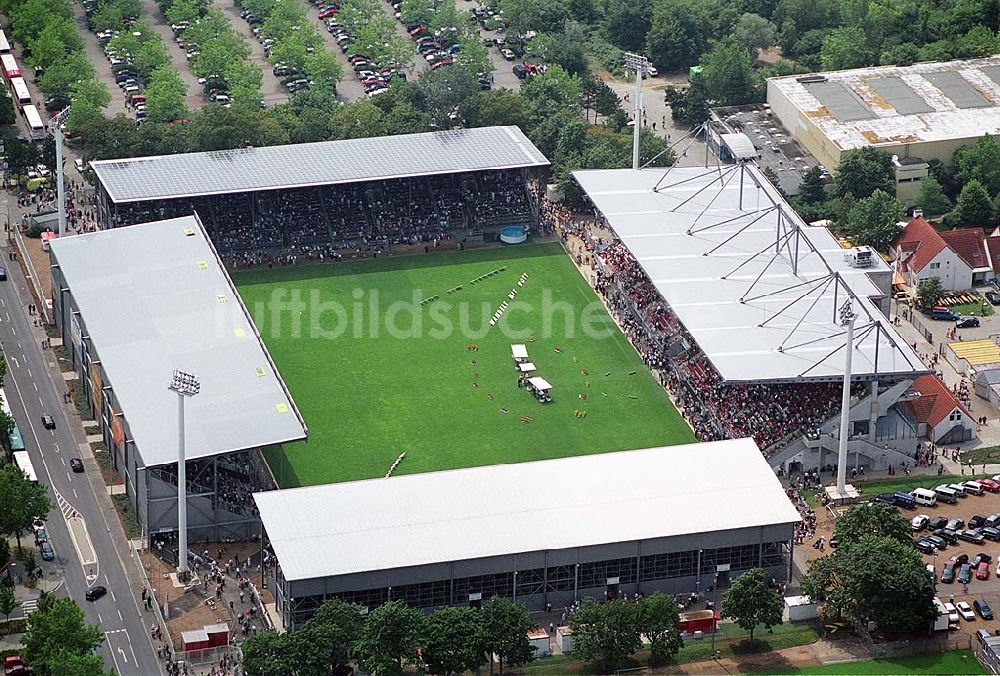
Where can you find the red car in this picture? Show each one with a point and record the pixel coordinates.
(983, 571)
(327, 13)
(990, 485)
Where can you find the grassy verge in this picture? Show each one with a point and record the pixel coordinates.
(951, 662)
(103, 458)
(730, 641)
(127, 515)
(980, 309)
(902, 484)
(986, 455)
(9, 627)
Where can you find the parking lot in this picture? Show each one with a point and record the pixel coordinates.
(967, 507)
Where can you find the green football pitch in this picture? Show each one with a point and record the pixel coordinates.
(376, 374)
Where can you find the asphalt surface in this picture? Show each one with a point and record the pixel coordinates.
(97, 552)
(100, 62)
(194, 99)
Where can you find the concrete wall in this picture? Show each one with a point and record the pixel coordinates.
(954, 273)
(802, 128)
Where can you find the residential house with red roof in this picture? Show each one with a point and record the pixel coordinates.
(941, 418)
(961, 258)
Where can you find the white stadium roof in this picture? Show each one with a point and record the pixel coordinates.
(755, 314)
(939, 101)
(154, 297)
(456, 515)
(324, 163)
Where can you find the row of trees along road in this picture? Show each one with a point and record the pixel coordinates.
(395, 636)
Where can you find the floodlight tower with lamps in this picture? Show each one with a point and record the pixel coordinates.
(847, 317)
(185, 385)
(55, 128)
(640, 64)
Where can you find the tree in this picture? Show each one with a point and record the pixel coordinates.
(929, 292)
(390, 637)
(844, 48)
(8, 603)
(21, 500)
(659, 618)
(445, 92)
(606, 633)
(874, 221)
(4, 552)
(499, 107)
(56, 632)
(905, 54)
(335, 627)
(267, 653)
(165, 95)
(863, 171)
(751, 601)
(754, 33)
(931, 197)
(7, 113)
(974, 207)
(979, 161)
(504, 628)
(453, 643)
(626, 23)
(729, 76)
(871, 518)
(674, 40)
(878, 579)
(813, 186)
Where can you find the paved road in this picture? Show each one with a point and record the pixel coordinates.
(419, 63)
(274, 92)
(98, 553)
(503, 76)
(194, 99)
(349, 88)
(100, 62)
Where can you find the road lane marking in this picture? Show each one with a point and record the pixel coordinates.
(81, 539)
(112, 592)
(120, 613)
(14, 359)
(77, 496)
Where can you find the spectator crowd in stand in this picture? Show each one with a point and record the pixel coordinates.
(282, 227)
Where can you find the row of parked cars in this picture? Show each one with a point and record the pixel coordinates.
(216, 87)
(126, 75)
(439, 47)
(375, 76)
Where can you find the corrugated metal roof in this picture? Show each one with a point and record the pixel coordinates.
(703, 252)
(154, 297)
(418, 519)
(324, 163)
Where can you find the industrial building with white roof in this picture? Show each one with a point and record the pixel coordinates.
(135, 303)
(673, 519)
(926, 111)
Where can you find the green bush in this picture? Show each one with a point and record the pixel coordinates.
(35, 231)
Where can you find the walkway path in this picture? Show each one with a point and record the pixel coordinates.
(97, 58)
(271, 88)
(194, 99)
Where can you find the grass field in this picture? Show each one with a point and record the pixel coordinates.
(369, 392)
(952, 662)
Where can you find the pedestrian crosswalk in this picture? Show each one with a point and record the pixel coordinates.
(68, 510)
(29, 606)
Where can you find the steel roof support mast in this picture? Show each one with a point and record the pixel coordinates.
(55, 128)
(847, 317)
(640, 64)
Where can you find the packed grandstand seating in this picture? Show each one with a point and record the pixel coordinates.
(375, 216)
(770, 413)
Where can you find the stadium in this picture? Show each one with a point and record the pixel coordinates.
(696, 306)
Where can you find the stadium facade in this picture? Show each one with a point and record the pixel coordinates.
(132, 305)
(758, 295)
(925, 111)
(675, 519)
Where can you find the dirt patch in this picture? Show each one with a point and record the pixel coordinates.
(40, 261)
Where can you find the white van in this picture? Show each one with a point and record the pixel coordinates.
(973, 487)
(924, 497)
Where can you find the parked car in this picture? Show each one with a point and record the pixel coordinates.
(964, 573)
(993, 297)
(937, 522)
(936, 540)
(980, 557)
(990, 485)
(925, 546)
(952, 613)
(507, 54)
(983, 571)
(948, 574)
(95, 593)
(990, 533)
(965, 610)
(47, 553)
(977, 520)
(919, 522)
(955, 524)
(971, 536)
(967, 323)
(3, 274)
(983, 608)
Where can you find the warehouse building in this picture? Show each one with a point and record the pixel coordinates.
(673, 519)
(135, 303)
(926, 111)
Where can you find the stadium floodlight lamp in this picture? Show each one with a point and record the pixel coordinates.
(847, 314)
(185, 384)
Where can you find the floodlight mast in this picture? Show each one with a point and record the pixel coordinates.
(640, 64)
(185, 385)
(847, 317)
(55, 128)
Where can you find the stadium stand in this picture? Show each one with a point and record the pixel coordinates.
(381, 193)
